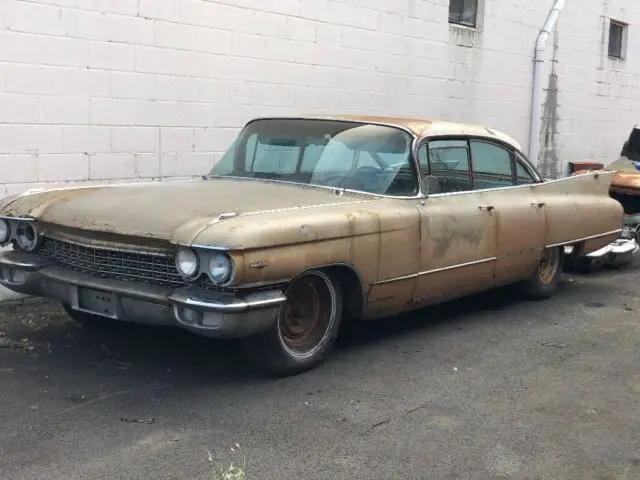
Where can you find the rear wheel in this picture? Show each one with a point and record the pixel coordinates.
(306, 327)
(544, 281)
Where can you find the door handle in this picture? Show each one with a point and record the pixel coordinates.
(538, 204)
(488, 208)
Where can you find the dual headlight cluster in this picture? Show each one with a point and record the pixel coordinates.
(218, 265)
(23, 233)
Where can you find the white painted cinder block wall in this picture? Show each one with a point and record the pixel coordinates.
(106, 90)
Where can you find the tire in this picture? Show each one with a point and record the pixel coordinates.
(90, 322)
(544, 281)
(290, 347)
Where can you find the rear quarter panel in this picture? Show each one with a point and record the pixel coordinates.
(579, 208)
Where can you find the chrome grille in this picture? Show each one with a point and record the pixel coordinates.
(114, 264)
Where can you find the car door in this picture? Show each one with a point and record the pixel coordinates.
(458, 229)
(521, 227)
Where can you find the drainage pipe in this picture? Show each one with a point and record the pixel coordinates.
(536, 102)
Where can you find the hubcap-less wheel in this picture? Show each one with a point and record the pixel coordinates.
(548, 265)
(305, 329)
(544, 281)
(306, 318)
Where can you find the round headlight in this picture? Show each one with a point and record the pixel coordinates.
(187, 262)
(27, 236)
(220, 268)
(4, 231)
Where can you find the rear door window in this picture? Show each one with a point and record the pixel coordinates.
(492, 165)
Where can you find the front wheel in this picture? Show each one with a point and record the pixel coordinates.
(306, 327)
(544, 281)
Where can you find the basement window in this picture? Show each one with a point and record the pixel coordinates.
(617, 39)
(463, 12)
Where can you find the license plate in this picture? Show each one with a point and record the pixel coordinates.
(97, 302)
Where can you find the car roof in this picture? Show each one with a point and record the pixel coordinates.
(423, 127)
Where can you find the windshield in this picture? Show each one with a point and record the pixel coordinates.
(368, 158)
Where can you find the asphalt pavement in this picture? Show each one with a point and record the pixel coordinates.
(491, 387)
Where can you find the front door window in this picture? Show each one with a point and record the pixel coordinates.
(449, 162)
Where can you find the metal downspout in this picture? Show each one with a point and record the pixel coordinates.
(536, 102)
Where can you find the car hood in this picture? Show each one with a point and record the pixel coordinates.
(174, 211)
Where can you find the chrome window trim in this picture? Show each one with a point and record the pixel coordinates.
(510, 187)
(519, 158)
(336, 190)
(340, 191)
(515, 153)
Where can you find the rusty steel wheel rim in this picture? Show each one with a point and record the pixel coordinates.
(548, 265)
(305, 318)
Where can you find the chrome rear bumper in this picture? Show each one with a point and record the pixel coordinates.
(619, 253)
(207, 313)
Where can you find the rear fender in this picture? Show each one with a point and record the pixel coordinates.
(579, 210)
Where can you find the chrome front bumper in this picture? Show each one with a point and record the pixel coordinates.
(211, 314)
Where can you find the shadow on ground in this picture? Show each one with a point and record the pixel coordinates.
(178, 358)
(489, 386)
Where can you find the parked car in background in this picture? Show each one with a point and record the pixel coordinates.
(625, 188)
(304, 223)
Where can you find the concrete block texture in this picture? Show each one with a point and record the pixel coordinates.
(97, 90)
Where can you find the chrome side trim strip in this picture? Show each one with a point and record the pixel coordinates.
(592, 237)
(435, 270)
(17, 219)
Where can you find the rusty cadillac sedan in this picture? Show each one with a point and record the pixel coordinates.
(305, 223)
